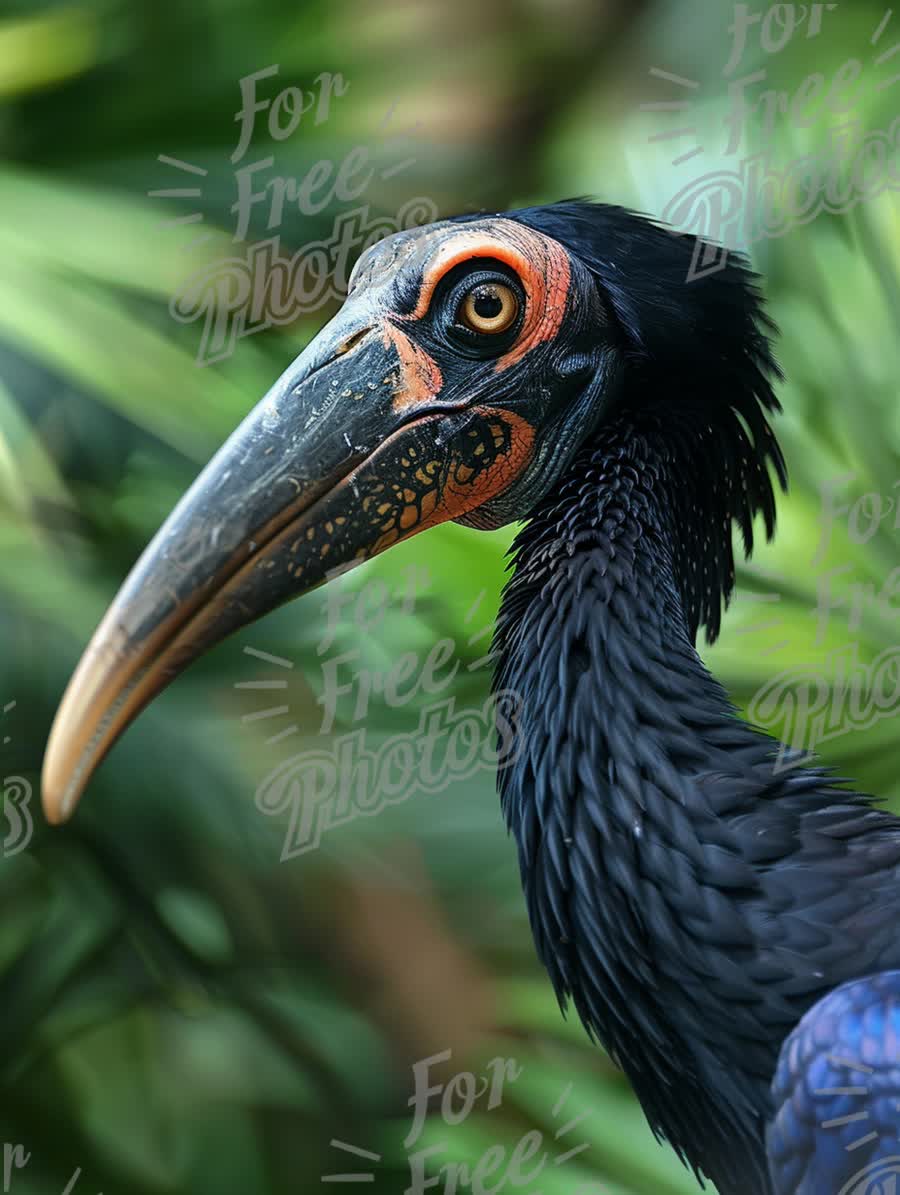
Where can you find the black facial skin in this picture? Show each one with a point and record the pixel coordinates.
(571, 382)
(399, 415)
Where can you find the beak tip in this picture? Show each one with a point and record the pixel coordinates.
(69, 758)
(52, 812)
(78, 739)
(58, 796)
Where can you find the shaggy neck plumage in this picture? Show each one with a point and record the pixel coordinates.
(634, 777)
(627, 873)
(673, 873)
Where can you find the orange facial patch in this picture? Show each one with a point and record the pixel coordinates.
(420, 502)
(420, 378)
(469, 487)
(409, 485)
(541, 265)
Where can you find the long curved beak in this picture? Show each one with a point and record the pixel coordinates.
(346, 455)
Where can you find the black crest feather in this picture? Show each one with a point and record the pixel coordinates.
(699, 371)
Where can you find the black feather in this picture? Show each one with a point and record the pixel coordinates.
(691, 897)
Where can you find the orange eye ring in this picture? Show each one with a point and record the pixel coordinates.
(489, 308)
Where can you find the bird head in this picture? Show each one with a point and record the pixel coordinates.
(470, 361)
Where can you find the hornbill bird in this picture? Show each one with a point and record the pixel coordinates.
(725, 926)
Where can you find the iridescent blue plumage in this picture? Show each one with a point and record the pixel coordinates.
(836, 1129)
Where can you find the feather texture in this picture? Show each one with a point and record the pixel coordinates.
(690, 896)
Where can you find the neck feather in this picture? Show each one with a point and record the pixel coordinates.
(628, 863)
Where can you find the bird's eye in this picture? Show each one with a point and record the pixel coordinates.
(489, 307)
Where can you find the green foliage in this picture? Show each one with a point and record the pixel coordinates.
(182, 1011)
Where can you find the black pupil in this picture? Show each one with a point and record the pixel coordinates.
(487, 303)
